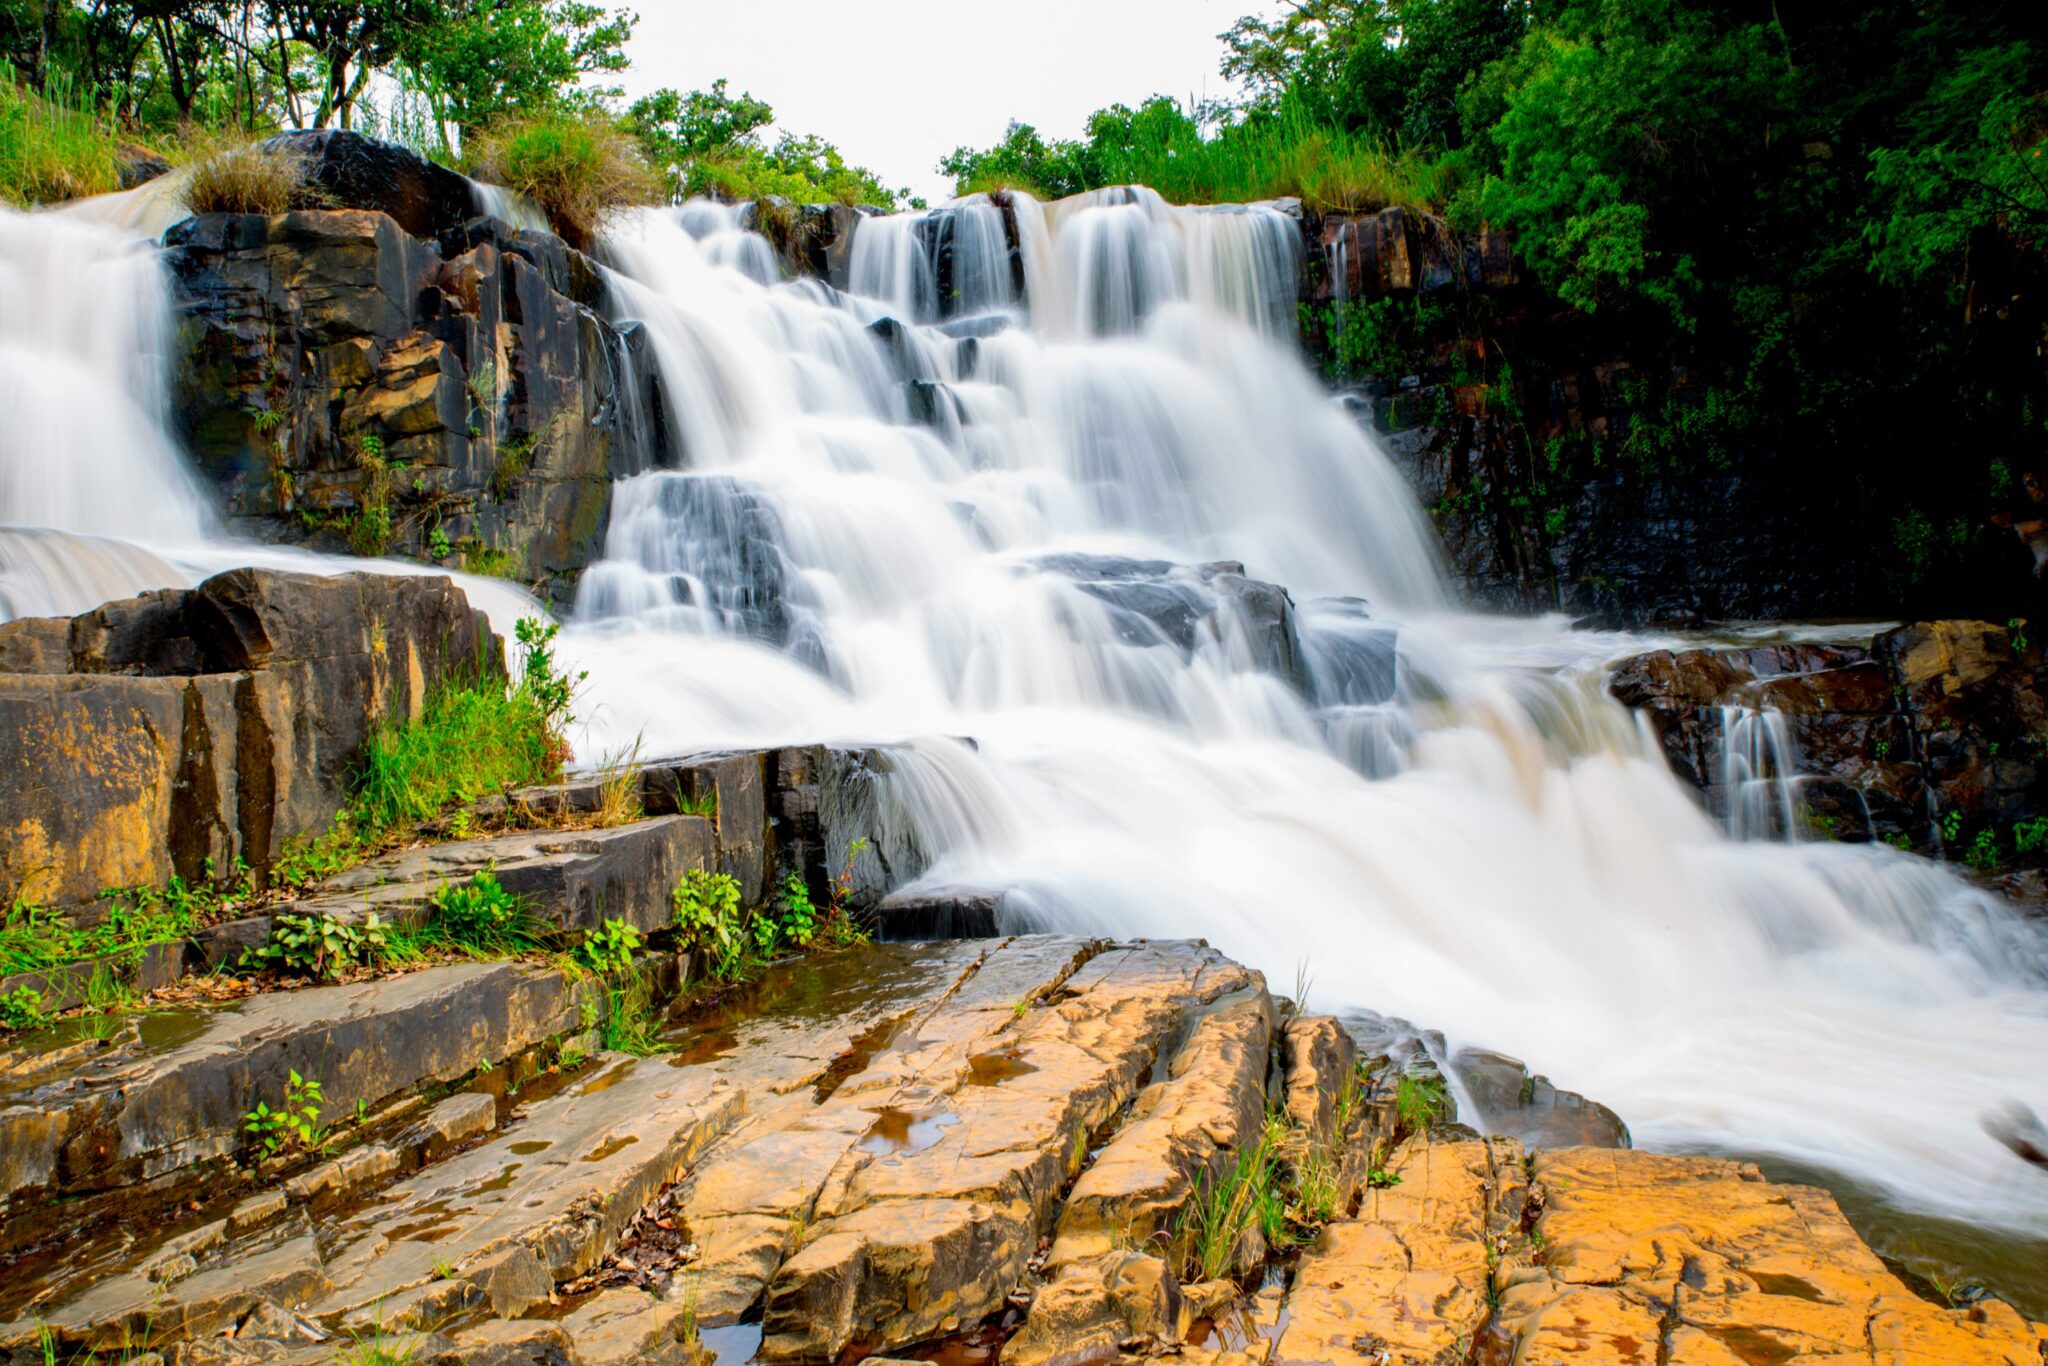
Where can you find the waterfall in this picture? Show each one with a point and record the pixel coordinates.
(1040, 538)
(890, 529)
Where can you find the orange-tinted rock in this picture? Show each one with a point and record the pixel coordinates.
(1703, 1253)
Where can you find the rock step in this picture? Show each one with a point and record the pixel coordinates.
(172, 1093)
(568, 880)
(1406, 1280)
(755, 1199)
(1183, 1135)
(934, 1224)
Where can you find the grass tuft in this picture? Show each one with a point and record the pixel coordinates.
(248, 177)
(579, 169)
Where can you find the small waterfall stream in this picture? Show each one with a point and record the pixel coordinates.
(1005, 531)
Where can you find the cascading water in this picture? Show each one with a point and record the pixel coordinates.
(1463, 828)
(84, 331)
(901, 513)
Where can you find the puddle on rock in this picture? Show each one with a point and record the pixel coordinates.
(896, 1132)
(162, 1029)
(993, 1069)
(527, 1147)
(733, 1345)
(500, 1181)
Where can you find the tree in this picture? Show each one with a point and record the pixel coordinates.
(483, 59)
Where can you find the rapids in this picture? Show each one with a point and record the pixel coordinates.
(909, 512)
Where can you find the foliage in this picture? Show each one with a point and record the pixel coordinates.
(1266, 154)
(294, 1126)
(480, 917)
(709, 142)
(609, 948)
(320, 946)
(706, 915)
(543, 679)
(506, 56)
(799, 918)
(22, 1008)
(579, 168)
(419, 71)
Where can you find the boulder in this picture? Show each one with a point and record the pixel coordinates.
(423, 197)
(1250, 623)
(1704, 1258)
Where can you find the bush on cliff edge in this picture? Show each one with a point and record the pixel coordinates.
(580, 169)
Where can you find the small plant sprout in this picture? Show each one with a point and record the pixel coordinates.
(609, 948)
(293, 1126)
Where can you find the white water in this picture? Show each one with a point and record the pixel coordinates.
(1522, 872)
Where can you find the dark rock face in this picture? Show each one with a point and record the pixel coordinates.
(810, 240)
(350, 384)
(1932, 718)
(1509, 1100)
(425, 198)
(208, 724)
(1761, 536)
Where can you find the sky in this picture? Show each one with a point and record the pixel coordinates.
(897, 84)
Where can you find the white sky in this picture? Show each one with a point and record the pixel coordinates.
(897, 84)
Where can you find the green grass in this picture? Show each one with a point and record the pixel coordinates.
(578, 169)
(1249, 1195)
(471, 740)
(51, 148)
(33, 938)
(1285, 154)
(1419, 1102)
(632, 1022)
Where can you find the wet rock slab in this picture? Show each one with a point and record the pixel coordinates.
(876, 1152)
(177, 1092)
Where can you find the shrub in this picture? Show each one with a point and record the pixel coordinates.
(706, 914)
(249, 177)
(580, 169)
(21, 1008)
(294, 1126)
(480, 916)
(609, 948)
(320, 946)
